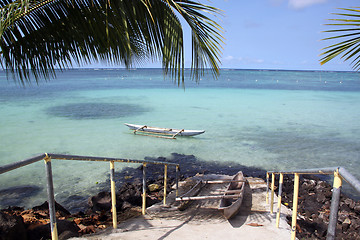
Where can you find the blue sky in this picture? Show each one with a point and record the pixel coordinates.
(278, 34)
(274, 34)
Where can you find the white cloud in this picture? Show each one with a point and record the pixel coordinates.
(256, 60)
(242, 60)
(228, 58)
(300, 4)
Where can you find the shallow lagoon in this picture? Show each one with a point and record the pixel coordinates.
(267, 119)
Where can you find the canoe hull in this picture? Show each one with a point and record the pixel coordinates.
(229, 206)
(168, 131)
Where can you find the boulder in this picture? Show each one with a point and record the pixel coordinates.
(12, 227)
(60, 210)
(100, 202)
(154, 187)
(66, 229)
(131, 193)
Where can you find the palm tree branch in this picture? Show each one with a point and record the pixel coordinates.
(344, 35)
(91, 30)
(205, 37)
(349, 48)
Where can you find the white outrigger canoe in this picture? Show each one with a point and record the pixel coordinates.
(163, 131)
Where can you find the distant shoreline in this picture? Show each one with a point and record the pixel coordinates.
(189, 69)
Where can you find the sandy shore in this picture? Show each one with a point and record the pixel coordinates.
(202, 220)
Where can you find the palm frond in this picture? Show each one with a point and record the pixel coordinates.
(206, 37)
(349, 30)
(36, 36)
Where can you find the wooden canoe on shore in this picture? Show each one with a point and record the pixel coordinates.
(230, 199)
(163, 131)
(230, 206)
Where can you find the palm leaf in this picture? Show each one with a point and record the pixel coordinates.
(349, 30)
(37, 36)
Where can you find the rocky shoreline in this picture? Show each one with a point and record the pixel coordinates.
(314, 209)
(314, 203)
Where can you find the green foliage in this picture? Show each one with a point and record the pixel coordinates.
(36, 36)
(348, 31)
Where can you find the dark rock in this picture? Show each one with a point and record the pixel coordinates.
(357, 208)
(327, 205)
(68, 234)
(14, 208)
(126, 205)
(351, 203)
(79, 214)
(321, 198)
(131, 193)
(75, 203)
(44, 232)
(314, 206)
(344, 208)
(104, 216)
(58, 208)
(328, 194)
(101, 201)
(12, 227)
(345, 224)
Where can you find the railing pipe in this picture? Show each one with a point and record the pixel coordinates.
(51, 199)
(328, 171)
(113, 194)
(295, 206)
(105, 159)
(281, 180)
(349, 178)
(15, 165)
(334, 208)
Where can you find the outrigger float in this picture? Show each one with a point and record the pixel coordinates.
(162, 132)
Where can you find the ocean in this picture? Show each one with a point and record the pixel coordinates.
(273, 120)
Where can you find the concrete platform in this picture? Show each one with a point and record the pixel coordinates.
(202, 220)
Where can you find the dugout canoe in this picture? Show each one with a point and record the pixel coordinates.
(166, 131)
(229, 206)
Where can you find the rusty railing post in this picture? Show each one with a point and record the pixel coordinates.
(165, 183)
(279, 200)
(177, 180)
(51, 199)
(144, 190)
(295, 206)
(267, 188)
(272, 193)
(113, 194)
(335, 200)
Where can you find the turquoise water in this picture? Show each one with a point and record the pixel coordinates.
(274, 120)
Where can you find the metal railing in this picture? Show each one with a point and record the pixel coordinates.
(50, 188)
(339, 173)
